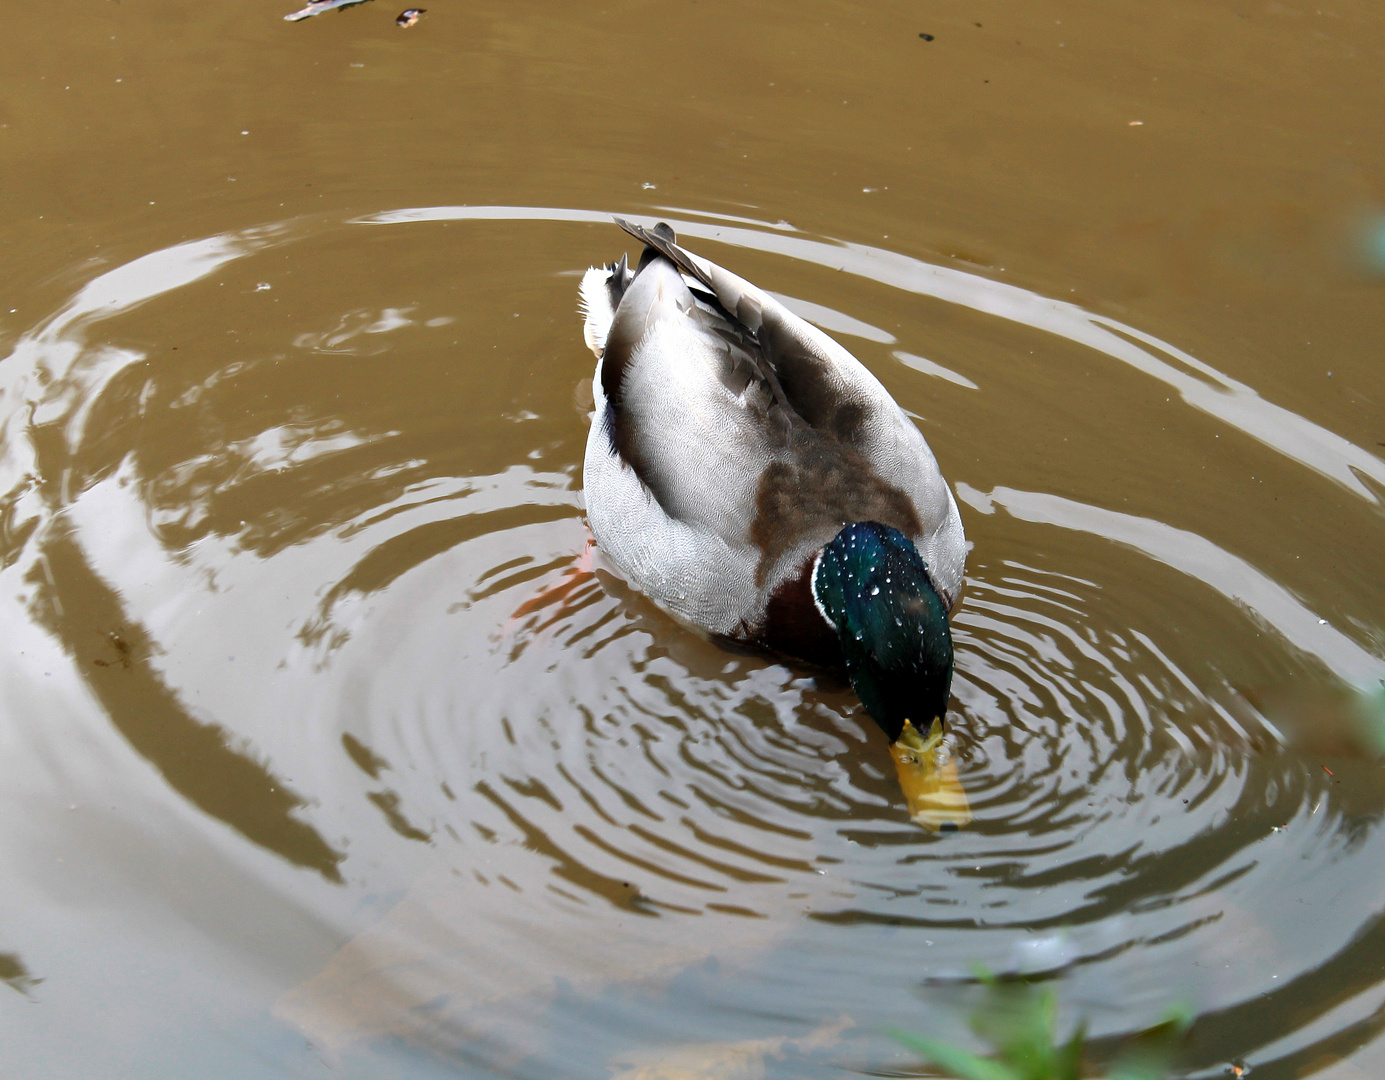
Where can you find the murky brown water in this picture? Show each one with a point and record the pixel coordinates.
(304, 773)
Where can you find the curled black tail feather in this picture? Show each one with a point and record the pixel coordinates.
(617, 281)
(663, 240)
(745, 323)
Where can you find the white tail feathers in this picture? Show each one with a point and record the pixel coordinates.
(594, 304)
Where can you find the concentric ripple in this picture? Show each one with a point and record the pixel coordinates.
(315, 581)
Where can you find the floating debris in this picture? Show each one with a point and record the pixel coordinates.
(317, 7)
(929, 37)
(409, 16)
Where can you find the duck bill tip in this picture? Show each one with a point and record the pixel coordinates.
(928, 778)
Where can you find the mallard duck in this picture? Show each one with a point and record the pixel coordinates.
(751, 477)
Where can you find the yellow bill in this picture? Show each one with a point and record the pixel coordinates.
(928, 778)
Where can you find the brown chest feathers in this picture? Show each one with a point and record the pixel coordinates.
(816, 488)
(793, 625)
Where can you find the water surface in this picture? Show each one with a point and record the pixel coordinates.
(325, 753)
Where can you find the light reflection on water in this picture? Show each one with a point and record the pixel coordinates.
(443, 787)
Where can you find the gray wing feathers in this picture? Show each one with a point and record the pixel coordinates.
(695, 566)
(819, 377)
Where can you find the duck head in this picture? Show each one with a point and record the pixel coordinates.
(874, 589)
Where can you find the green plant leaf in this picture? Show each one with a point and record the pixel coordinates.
(962, 1064)
(1145, 1070)
(1151, 1053)
(1019, 1021)
(1369, 717)
(1067, 1062)
(1178, 1017)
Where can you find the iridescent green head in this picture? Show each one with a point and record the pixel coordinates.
(873, 587)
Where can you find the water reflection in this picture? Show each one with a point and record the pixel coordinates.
(1198, 558)
(327, 573)
(113, 652)
(1332, 991)
(1198, 384)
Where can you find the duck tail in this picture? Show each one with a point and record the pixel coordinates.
(662, 240)
(597, 299)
